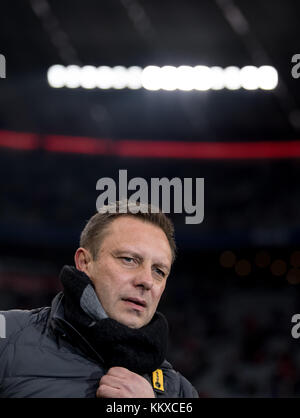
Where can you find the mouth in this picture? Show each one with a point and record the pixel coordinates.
(136, 303)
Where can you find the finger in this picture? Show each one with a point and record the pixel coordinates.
(105, 391)
(119, 372)
(113, 381)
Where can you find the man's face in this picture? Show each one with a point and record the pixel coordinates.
(131, 270)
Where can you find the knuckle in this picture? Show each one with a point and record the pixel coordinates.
(117, 369)
(103, 379)
(102, 390)
(118, 372)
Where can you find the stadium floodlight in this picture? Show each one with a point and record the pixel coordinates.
(151, 79)
(88, 77)
(72, 76)
(217, 78)
(249, 77)
(267, 77)
(202, 78)
(119, 77)
(105, 77)
(169, 78)
(185, 78)
(232, 78)
(134, 77)
(56, 76)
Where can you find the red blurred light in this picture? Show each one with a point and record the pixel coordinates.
(78, 145)
(151, 149)
(209, 150)
(18, 140)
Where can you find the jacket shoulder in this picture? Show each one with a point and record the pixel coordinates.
(13, 327)
(187, 390)
(15, 320)
(177, 386)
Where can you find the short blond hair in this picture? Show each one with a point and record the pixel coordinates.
(97, 226)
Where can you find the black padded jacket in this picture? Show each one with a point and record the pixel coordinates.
(43, 356)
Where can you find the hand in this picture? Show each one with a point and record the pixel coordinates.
(122, 383)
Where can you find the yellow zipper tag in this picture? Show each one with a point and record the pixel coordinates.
(158, 380)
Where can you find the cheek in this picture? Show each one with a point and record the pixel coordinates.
(102, 280)
(110, 279)
(158, 293)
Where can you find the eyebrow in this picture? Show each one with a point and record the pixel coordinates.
(140, 257)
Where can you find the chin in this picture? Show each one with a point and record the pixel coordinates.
(134, 325)
(131, 324)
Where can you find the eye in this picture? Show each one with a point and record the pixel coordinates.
(160, 272)
(127, 260)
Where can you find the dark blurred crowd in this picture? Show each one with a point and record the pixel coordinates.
(54, 194)
(236, 342)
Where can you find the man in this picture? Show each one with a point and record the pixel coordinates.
(102, 336)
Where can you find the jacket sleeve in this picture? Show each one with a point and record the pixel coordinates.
(10, 323)
(187, 390)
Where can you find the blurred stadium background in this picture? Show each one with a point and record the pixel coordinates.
(235, 285)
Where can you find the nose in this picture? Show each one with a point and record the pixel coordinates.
(143, 278)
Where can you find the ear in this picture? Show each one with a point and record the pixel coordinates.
(83, 259)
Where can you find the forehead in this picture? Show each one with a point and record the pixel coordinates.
(141, 236)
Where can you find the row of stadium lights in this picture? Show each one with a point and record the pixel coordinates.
(169, 78)
(262, 260)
